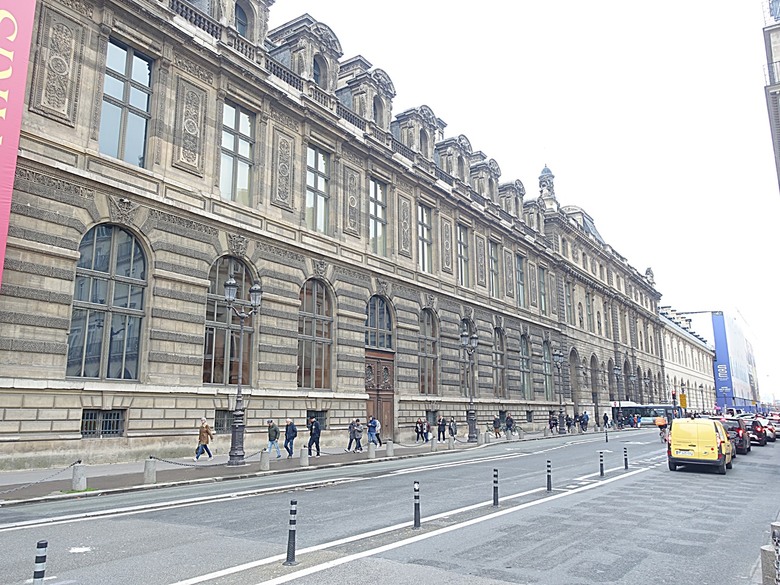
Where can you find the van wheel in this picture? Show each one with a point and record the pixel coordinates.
(722, 467)
(672, 466)
(730, 464)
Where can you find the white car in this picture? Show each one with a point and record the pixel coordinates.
(771, 429)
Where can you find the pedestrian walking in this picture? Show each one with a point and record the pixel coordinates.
(378, 431)
(419, 428)
(453, 427)
(509, 422)
(553, 422)
(358, 435)
(584, 421)
(371, 429)
(314, 434)
(606, 420)
(569, 423)
(351, 432)
(204, 435)
(290, 432)
(497, 426)
(441, 425)
(273, 437)
(427, 430)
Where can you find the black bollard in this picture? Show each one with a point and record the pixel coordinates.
(625, 457)
(549, 476)
(606, 435)
(291, 534)
(495, 488)
(40, 562)
(601, 463)
(416, 504)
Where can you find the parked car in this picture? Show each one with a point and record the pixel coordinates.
(756, 431)
(771, 428)
(737, 430)
(699, 441)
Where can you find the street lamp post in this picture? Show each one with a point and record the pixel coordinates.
(558, 358)
(648, 398)
(701, 397)
(616, 370)
(239, 426)
(469, 345)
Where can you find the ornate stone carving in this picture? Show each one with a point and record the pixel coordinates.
(352, 157)
(264, 249)
(99, 66)
(58, 68)
(161, 216)
(481, 269)
(405, 227)
(282, 194)
(237, 244)
(509, 274)
(78, 6)
(446, 244)
(193, 69)
(468, 313)
(381, 287)
(285, 120)
(352, 208)
(430, 301)
(320, 267)
(369, 375)
(53, 183)
(123, 210)
(190, 121)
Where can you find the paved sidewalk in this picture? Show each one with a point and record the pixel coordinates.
(24, 486)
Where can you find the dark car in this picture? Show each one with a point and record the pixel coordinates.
(756, 431)
(738, 433)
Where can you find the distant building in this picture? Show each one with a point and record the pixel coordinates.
(734, 368)
(772, 72)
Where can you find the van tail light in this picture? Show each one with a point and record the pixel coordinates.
(759, 428)
(739, 432)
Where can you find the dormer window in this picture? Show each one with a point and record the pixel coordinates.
(461, 169)
(423, 143)
(242, 22)
(319, 71)
(378, 113)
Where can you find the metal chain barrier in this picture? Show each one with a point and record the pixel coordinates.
(55, 474)
(196, 464)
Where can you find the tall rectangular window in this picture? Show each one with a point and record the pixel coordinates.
(425, 238)
(520, 279)
(542, 274)
(236, 150)
(127, 93)
(464, 278)
(493, 278)
(377, 217)
(317, 196)
(569, 294)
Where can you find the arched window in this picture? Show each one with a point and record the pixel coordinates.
(378, 113)
(221, 347)
(525, 367)
(379, 325)
(320, 71)
(428, 350)
(499, 363)
(315, 336)
(242, 22)
(461, 169)
(108, 306)
(547, 363)
(423, 142)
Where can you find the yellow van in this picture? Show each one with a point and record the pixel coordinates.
(699, 441)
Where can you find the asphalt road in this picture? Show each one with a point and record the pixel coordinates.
(354, 523)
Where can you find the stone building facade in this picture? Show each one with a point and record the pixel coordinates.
(171, 145)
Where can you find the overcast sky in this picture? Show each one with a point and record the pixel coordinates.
(651, 115)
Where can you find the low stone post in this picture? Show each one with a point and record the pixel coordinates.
(265, 460)
(304, 457)
(451, 443)
(79, 478)
(150, 471)
(389, 447)
(371, 450)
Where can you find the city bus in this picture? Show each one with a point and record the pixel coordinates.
(646, 412)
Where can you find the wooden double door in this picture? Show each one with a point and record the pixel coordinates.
(380, 387)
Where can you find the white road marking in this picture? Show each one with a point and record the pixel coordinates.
(79, 549)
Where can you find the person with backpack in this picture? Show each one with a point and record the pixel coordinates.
(453, 427)
(290, 432)
(584, 421)
(273, 437)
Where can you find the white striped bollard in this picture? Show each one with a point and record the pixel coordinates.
(495, 488)
(291, 534)
(416, 504)
(625, 457)
(549, 476)
(601, 463)
(40, 562)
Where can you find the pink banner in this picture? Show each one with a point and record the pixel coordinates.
(16, 24)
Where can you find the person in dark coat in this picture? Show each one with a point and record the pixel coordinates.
(290, 432)
(314, 434)
(441, 426)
